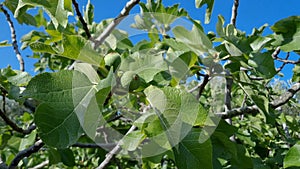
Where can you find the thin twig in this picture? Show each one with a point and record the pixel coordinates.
(281, 100)
(288, 61)
(115, 150)
(234, 12)
(198, 86)
(101, 38)
(84, 24)
(202, 86)
(41, 165)
(284, 63)
(14, 125)
(26, 153)
(14, 38)
(125, 11)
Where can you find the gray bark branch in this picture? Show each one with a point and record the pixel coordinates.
(14, 126)
(281, 100)
(115, 150)
(14, 38)
(234, 12)
(125, 11)
(25, 153)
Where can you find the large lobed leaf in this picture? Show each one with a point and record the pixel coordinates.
(65, 96)
(263, 63)
(176, 111)
(190, 153)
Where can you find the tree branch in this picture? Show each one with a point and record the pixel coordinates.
(284, 61)
(101, 38)
(8, 121)
(282, 66)
(202, 86)
(115, 150)
(14, 38)
(239, 111)
(285, 97)
(84, 24)
(281, 100)
(14, 125)
(288, 61)
(41, 165)
(234, 12)
(26, 153)
(199, 85)
(276, 53)
(125, 11)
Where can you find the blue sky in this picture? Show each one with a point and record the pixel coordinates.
(251, 14)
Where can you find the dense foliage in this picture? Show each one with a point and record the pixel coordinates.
(178, 97)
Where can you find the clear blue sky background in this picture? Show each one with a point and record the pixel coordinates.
(251, 14)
